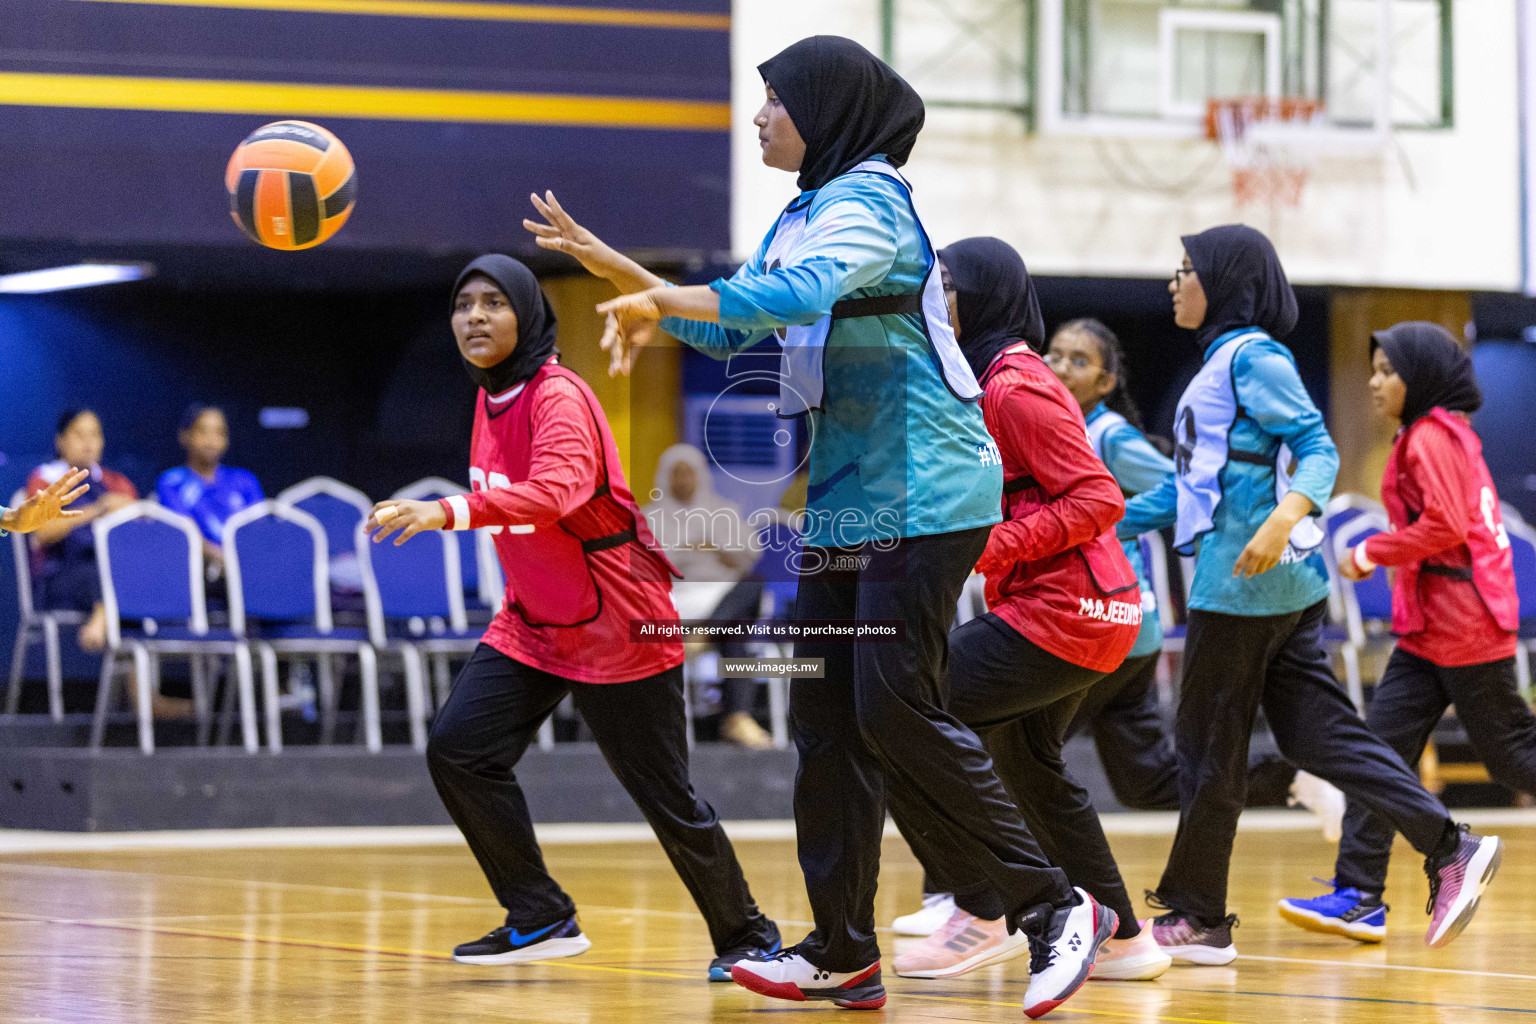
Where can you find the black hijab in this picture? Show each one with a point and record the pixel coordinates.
(1435, 369)
(535, 322)
(847, 104)
(1244, 284)
(996, 299)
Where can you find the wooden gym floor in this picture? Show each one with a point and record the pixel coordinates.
(362, 934)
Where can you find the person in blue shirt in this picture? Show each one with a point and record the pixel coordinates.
(1122, 711)
(905, 483)
(205, 490)
(1259, 599)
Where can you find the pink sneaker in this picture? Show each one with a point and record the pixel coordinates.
(962, 944)
(1186, 940)
(1457, 883)
(1135, 959)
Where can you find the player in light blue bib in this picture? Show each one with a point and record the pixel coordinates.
(905, 484)
(1259, 598)
(1122, 710)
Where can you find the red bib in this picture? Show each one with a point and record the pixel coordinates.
(549, 573)
(1492, 569)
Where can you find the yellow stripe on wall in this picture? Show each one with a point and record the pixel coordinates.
(464, 10)
(297, 99)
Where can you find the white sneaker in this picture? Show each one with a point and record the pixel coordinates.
(964, 944)
(938, 907)
(1322, 799)
(1063, 947)
(1135, 959)
(788, 975)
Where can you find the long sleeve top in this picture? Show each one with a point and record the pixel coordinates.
(1274, 408)
(894, 452)
(564, 467)
(1433, 480)
(1040, 563)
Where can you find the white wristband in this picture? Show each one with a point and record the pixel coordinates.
(460, 509)
(1361, 559)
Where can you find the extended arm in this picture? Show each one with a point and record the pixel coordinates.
(562, 474)
(849, 243)
(1437, 463)
(1270, 391)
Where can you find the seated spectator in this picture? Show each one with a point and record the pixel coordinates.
(64, 552)
(203, 490)
(705, 537)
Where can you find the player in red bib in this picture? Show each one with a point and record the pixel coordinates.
(1065, 610)
(580, 564)
(1454, 612)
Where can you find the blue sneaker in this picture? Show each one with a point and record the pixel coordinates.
(509, 945)
(720, 966)
(1345, 911)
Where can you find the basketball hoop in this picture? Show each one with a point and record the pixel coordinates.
(1269, 145)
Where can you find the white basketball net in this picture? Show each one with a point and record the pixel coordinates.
(1270, 145)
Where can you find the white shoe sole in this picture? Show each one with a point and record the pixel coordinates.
(1203, 956)
(550, 949)
(1141, 967)
(1483, 866)
(1312, 921)
(1012, 947)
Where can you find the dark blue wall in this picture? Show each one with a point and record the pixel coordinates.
(111, 177)
(1506, 371)
(387, 398)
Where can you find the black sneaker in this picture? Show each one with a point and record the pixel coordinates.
(720, 966)
(509, 945)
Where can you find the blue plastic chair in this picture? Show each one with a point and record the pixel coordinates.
(779, 567)
(276, 564)
(1339, 513)
(1367, 603)
(1522, 544)
(479, 570)
(36, 625)
(151, 565)
(478, 596)
(339, 508)
(415, 603)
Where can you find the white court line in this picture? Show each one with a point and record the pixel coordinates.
(1386, 967)
(1153, 823)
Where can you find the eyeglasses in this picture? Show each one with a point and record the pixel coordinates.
(1178, 275)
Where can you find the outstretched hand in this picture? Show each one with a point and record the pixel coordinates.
(48, 504)
(631, 325)
(409, 517)
(561, 233)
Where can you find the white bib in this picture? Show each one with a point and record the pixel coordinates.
(1205, 415)
(802, 381)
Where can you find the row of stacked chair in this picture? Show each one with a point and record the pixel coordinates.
(279, 559)
(419, 600)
